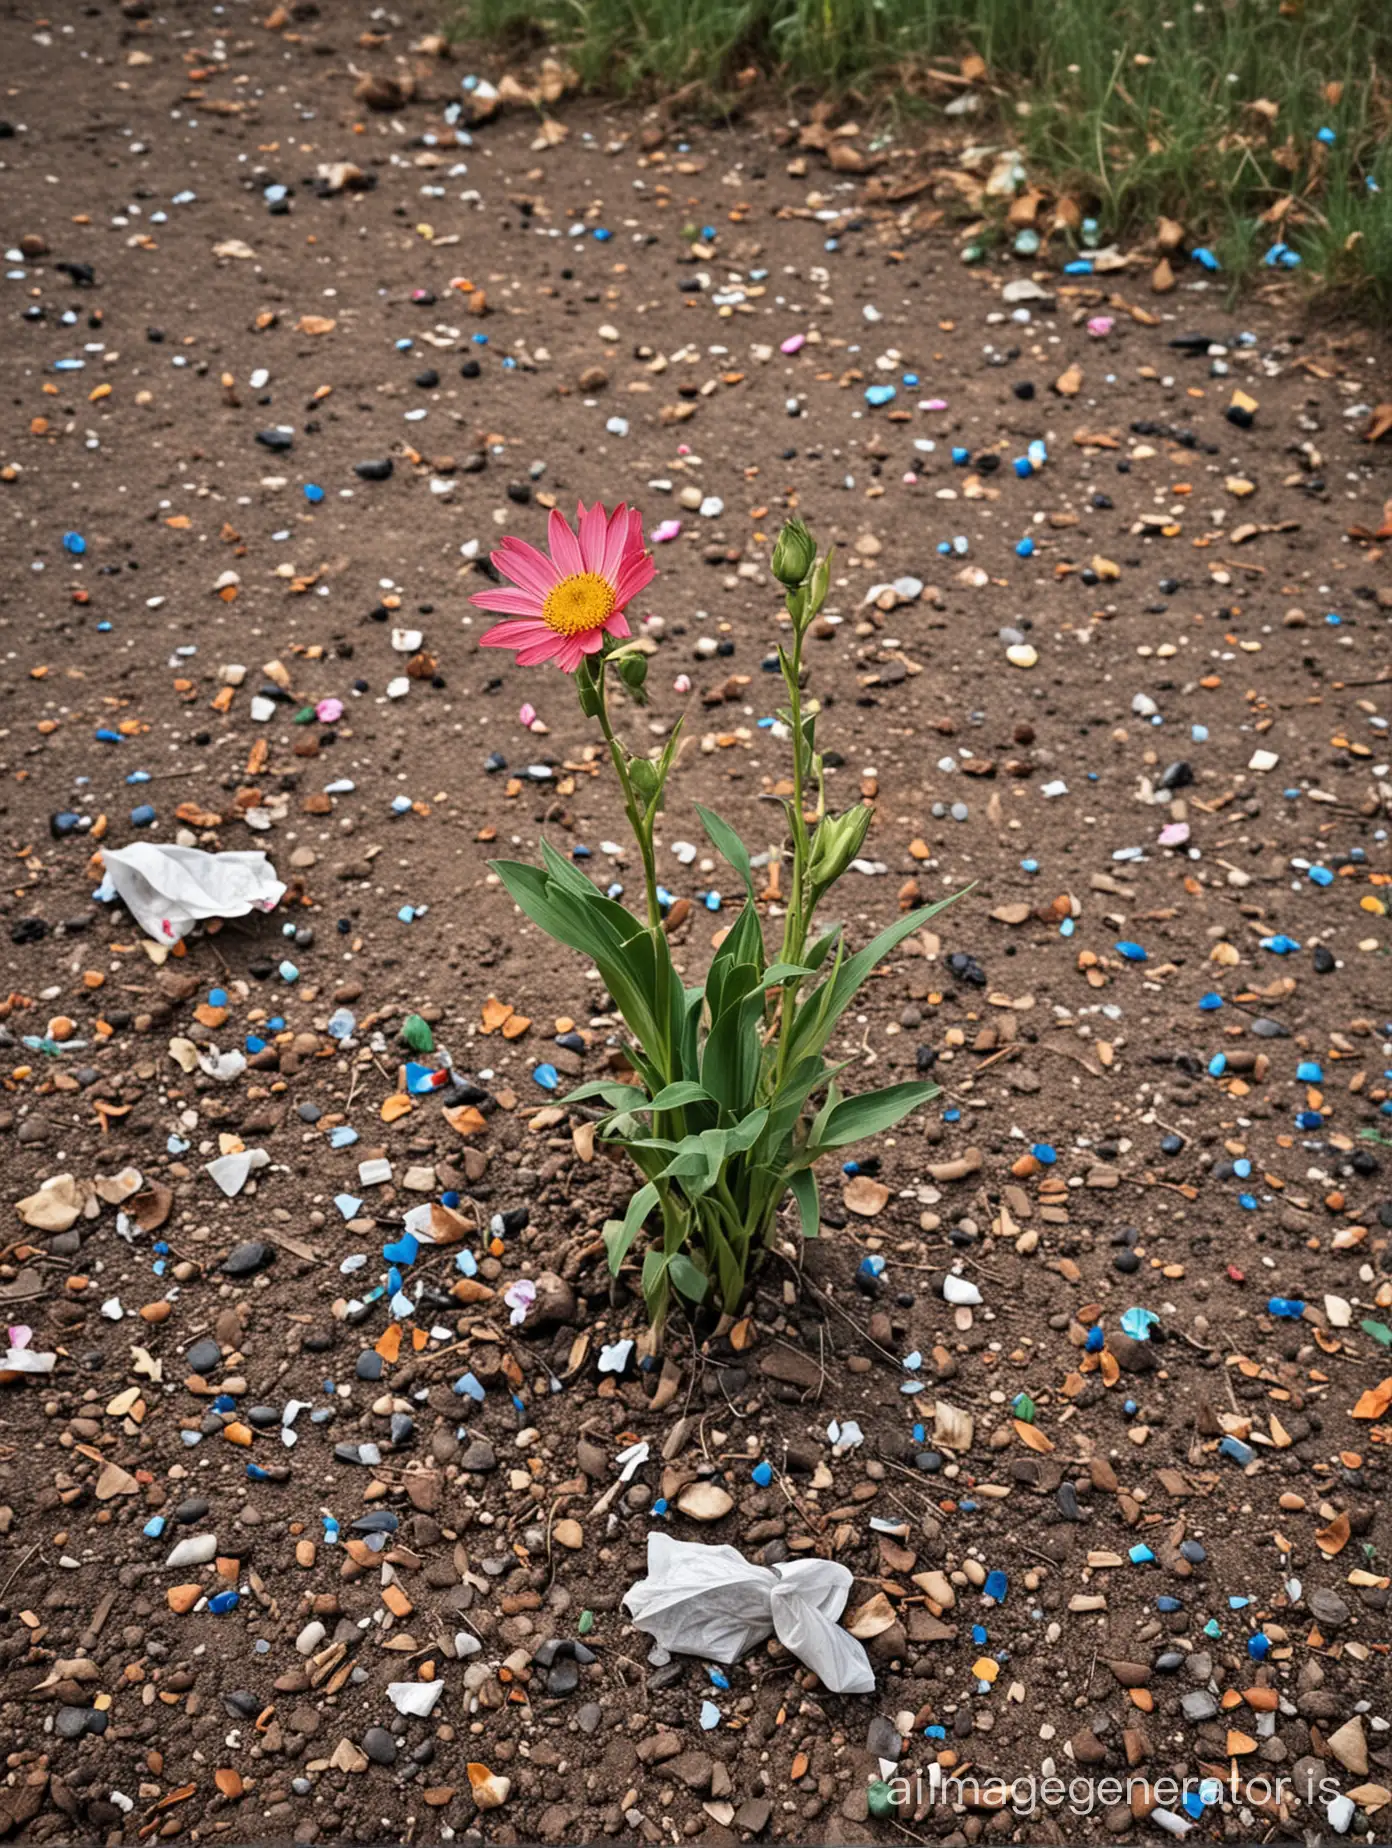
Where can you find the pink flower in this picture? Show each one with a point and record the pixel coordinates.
(562, 607)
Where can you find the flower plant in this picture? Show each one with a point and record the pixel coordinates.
(734, 1100)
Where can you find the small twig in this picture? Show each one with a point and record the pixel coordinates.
(35, 1548)
(864, 1333)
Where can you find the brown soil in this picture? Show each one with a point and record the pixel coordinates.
(155, 1721)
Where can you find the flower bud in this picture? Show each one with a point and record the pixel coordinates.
(794, 554)
(633, 669)
(835, 844)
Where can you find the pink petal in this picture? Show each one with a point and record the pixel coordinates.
(509, 602)
(616, 542)
(591, 640)
(566, 555)
(525, 565)
(570, 654)
(617, 624)
(637, 573)
(520, 633)
(594, 532)
(536, 652)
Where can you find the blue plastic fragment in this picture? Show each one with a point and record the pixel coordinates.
(1138, 1323)
(1286, 1308)
(1132, 952)
(996, 1586)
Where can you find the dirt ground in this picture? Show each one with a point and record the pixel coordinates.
(1154, 747)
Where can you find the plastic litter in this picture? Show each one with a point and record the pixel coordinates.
(710, 1601)
(168, 890)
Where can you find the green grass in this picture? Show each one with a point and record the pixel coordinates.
(1128, 109)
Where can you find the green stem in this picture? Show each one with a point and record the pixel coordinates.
(794, 927)
(796, 921)
(637, 816)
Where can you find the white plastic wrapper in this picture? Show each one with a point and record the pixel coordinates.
(710, 1601)
(170, 889)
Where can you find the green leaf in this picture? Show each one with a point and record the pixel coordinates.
(677, 1096)
(655, 1283)
(729, 846)
(685, 1277)
(619, 1234)
(732, 1058)
(846, 979)
(617, 1096)
(804, 1186)
(737, 964)
(817, 955)
(868, 1113)
(728, 1268)
(746, 1132)
(778, 974)
(698, 1160)
(663, 767)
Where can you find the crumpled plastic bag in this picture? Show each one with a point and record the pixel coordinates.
(167, 890)
(710, 1601)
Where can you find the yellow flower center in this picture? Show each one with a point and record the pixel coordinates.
(580, 602)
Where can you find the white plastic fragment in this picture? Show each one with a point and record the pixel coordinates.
(709, 1601)
(960, 1290)
(197, 1550)
(415, 1698)
(232, 1172)
(168, 890)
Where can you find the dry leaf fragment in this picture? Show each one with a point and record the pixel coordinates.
(1334, 1538)
(865, 1196)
